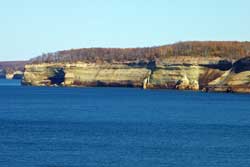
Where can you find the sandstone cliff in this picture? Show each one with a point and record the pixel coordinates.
(207, 66)
(82, 74)
(183, 73)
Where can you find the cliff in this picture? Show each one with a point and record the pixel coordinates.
(184, 73)
(83, 74)
(225, 72)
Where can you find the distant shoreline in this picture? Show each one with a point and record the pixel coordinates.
(201, 66)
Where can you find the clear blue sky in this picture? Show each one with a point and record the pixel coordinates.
(31, 27)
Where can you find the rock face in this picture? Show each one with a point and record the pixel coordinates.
(82, 74)
(183, 73)
(236, 79)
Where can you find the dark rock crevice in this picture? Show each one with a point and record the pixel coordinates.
(242, 65)
(222, 65)
(143, 64)
(17, 76)
(58, 77)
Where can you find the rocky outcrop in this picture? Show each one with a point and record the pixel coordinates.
(236, 79)
(15, 75)
(183, 73)
(83, 74)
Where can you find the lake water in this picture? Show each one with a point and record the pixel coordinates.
(119, 127)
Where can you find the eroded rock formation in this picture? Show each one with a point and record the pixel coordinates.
(14, 75)
(208, 66)
(183, 73)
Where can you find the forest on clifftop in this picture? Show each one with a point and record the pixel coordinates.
(223, 49)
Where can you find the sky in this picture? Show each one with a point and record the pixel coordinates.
(29, 28)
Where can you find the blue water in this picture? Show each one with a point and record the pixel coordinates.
(5, 82)
(119, 127)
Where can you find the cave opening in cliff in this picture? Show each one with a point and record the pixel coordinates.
(58, 77)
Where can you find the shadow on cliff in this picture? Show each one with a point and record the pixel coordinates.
(242, 65)
(58, 76)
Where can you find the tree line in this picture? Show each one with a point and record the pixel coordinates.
(229, 50)
(12, 66)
